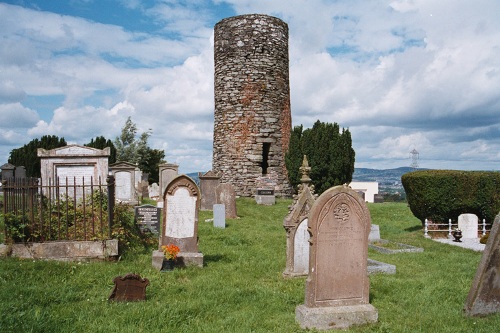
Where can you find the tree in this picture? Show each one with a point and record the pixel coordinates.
(137, 151)
(100, 142)
(329, 152)
(27, 155)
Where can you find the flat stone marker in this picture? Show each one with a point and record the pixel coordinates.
(468, 224)
(219, 216)
(181, 203)
(484, 294)
(337, 287)
(129, 288)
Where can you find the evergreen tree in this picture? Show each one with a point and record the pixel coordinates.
(328, 151)
(100, 142)
(27, 155)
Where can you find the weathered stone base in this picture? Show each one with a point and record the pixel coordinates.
(183, 259)
(267, 200)
(335, 317)
(67, 250)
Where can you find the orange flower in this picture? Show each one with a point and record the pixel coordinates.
(170, 251)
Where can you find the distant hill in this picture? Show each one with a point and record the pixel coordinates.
(384, 177)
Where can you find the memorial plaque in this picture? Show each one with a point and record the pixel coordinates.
(147, 218)
(128, 288)
(265, 191)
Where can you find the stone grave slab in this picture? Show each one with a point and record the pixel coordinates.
(337, 287)
(129, 288)
(484, 295)
(180, 222)
(468, 224)
(219, 216)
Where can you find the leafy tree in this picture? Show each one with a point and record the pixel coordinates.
(100, 142)
(27, 155)
(329, 152)
(137, 151)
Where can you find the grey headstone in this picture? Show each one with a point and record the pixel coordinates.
(219, 216)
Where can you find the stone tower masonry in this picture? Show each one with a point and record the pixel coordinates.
(252, 103)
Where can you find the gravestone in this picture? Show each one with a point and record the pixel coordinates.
(167, 172)
(337, 287)
(147, 218)
(219, 216)
(181, 203)
(484, 294)
(374, 233)
(7, 171)
(154, 191)
(295, 224)
(265, 196)
(227, 196)
(468, 224)
(208, 184)
(125, 179)
(128, 288)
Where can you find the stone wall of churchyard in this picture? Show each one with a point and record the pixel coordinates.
(252, 103)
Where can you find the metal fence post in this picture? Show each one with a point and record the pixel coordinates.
(111, 201)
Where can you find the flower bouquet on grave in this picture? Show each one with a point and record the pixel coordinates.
(170, 253)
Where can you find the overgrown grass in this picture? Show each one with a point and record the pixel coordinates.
(240, 288)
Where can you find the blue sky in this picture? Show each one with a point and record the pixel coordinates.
(401, 75)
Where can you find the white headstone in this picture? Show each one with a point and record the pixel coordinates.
(219, 215)
(181, 212)
(468, 224)
(301, 249)
(123, 185)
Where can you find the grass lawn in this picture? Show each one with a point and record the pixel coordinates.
(241, 288)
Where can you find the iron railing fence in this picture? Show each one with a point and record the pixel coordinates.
(57, 210)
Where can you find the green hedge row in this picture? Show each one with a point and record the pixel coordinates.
(440, 195)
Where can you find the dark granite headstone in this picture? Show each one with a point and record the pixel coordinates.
(147, 218)
(128, 288)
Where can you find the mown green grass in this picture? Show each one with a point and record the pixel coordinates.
(240, 288)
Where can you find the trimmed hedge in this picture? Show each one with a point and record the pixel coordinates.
(439, 195)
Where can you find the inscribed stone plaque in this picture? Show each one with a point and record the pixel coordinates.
(468, 224)
(123, 185)
(180, 220)
(339, 223)
(301, 250)
(130, 287)
(484, 295)
(219, 216)
(147, 218)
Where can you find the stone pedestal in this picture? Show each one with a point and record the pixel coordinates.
(335, 317)
(183, 259)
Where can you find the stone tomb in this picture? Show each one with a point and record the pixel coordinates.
(208, 185)
(180, 222)
(337, 287)
(227, 196)
(147, 218)
(219, 216)
(484, 294)
(468, 224)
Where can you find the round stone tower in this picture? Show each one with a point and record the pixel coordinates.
(252, 103)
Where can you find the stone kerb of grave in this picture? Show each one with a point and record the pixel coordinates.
(484, 294)
(180, 222)
(337, 287)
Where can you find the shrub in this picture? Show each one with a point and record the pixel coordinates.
(442, 194)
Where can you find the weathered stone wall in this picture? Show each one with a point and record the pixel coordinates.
(252, 102)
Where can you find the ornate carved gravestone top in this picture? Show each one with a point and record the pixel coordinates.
(130, 287)
(337, 287)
